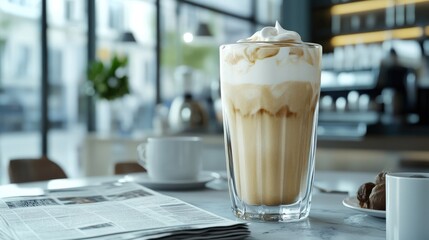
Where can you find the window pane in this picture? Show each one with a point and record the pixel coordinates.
(183, 46)
(115, 20)
(67, 47)
(191, 37)
(240, 7)
(268, 11)
(19, 81)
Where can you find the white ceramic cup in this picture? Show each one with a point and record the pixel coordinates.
(171, 158)
(407, 206)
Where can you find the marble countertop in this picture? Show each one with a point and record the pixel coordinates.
(328, 219)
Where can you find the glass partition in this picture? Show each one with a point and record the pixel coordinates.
(191, 32)
(19, 80)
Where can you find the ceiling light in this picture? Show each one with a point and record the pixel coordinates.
(128, 37)
(188, 37)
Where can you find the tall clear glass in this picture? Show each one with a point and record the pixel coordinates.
(270, 93)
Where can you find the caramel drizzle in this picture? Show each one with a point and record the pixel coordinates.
(260, 53)
(234, 58)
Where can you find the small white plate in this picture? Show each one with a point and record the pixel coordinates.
(353, 203)
(143, 178)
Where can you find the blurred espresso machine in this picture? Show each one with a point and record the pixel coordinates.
(379, 97)
(187, 113)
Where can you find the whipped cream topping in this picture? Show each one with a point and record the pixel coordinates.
(273, 34)
(271, 56)
(236, 68)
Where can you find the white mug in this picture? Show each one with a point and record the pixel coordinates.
(171, 158)
(407, 206)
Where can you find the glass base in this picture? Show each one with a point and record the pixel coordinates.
(269, 217)
(283, 213)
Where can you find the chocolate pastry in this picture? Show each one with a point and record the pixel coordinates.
(364, 193)
(380, 178)
(377, 199)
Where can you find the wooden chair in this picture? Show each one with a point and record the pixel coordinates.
(128, 167)
(34, 169)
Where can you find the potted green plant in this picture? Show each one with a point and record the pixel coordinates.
(109, 81)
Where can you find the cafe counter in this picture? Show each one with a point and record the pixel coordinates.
(99, 153)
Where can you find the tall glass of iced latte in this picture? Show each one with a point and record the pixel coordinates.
(270, 86)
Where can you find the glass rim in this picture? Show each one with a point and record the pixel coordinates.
(409, 175)
(276, 44)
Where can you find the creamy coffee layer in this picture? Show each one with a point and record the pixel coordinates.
(270, 138)
(288, 97)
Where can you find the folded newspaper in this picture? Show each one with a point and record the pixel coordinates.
(110, 211)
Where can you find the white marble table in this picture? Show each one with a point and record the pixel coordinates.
(328, 219)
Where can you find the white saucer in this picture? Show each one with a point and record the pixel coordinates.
(353, 203)
(143, 178)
